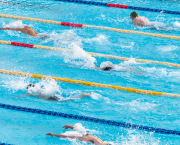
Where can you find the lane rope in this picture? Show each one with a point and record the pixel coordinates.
(89, 26)
(23, 4)
(132, 90)
(121, 6)
(94, 54)
(5, 144)
(90, 119)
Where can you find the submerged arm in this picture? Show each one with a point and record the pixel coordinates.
(39, 96)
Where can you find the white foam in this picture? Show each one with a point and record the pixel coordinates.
(78, 130)
(174, 74)
(123, 43)
(14, 24)
(16, 84)
(162, 72)
(167, 48)
(95, 96)
(106, 64)
(119, 67)
(47, 86)
(129, 61)
(138, 139)
(176, 24)
(79, 57)
(101, 39)
(138, 105)
(64, 39)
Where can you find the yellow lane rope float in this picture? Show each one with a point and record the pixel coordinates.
(94, 54)
(90, 26)
(132, 90)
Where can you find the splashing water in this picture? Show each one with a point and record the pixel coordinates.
(119, 67)
(64, 39)
(79, 57)
(101, 39)
(14, 24)
(95, 96)
(78, 130)
(176, 24)
(167, 48)
(48, 86)
(16, 84)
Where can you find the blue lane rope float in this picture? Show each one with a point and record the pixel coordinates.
(5, 144)
(90, 119)
(121, 6)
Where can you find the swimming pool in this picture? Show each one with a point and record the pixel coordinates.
(154, 111)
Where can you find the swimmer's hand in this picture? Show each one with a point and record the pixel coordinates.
(85, 95)
(22, 96)
(51, 134)
(68, 126)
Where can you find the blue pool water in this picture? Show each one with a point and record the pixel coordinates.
(156, 111)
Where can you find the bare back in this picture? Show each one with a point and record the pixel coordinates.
(142, 21)
(29, 31)
(91, 139)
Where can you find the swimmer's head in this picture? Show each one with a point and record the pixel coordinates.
(30, 85)
(134, 14)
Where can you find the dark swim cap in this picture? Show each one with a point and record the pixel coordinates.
(134, 14)
(30, 85)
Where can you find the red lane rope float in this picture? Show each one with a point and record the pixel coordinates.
(91, 53)
(117, 5)
(22, 44)
(71, 24)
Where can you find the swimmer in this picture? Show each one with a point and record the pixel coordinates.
(119, 67)
(142, 21)
(29, 31)
(88, 138)
(137, 20)
(54, 97)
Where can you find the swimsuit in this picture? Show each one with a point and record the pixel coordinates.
(43, 36)
(53, 98)
(107, 68)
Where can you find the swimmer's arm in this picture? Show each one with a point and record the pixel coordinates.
(96, 67)
(13, 29)
(22, 96)
(68, 126)
(64, 136)
(40, 96)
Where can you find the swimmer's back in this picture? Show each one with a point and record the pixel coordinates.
(92, 139)
(29, 31)
(142, 21)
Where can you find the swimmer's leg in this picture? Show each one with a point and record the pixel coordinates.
(80, 96)
(136, 71)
